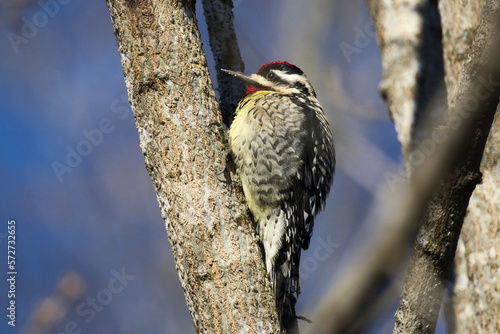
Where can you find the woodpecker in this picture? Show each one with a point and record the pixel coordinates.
(285, 157)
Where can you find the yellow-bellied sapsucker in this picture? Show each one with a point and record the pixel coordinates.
(285, 157)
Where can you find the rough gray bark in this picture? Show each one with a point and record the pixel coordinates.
(409, 38)
(476, 300)
(476, 297)
(449, 150)
(224, 46)
(453, 160)
(436, 241)
(212, 238)
(460, 20)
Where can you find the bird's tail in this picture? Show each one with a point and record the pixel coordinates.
(285, 291)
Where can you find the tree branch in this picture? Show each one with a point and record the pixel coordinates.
(436, 243)
(224, 45)
(448, 173)
(213, 241)
(475, 306)
(409, 38)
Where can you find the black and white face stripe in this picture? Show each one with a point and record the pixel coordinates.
(283, 78)
(286, 79)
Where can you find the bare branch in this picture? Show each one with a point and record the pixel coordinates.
(451, 169)
(476, 96)
(409, 38)
(224, 45)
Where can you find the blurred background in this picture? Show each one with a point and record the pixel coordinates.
(92, 253)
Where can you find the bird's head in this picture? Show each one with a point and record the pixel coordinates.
(279, 76)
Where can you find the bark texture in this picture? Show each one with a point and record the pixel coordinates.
(459, 23)
(476, 296)
(224, 45)
(405, 29)
(442, 147)
(409, 38)
(476, 299)
(184, 144)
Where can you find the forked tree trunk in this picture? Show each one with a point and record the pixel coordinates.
(180, 129)
(214, 244)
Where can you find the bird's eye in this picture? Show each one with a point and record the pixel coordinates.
(271, 76)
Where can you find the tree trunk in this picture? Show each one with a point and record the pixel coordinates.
(409, 38)
(409, 35)
(442, 147)
(180, 129)
(476, 297)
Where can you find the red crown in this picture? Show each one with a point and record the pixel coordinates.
(272, 63)
(250, 88)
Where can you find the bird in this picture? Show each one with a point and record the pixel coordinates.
(284, 153)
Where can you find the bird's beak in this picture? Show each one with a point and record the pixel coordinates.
(250, 79)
